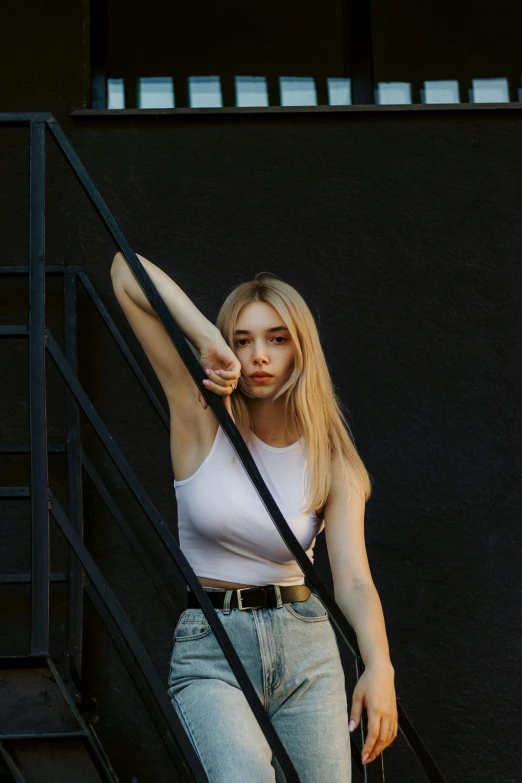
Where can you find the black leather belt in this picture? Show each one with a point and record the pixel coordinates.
(253, 597)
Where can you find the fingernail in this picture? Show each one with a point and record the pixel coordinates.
(206, 381)
(351, 725)
(208, 372)
(365, 756)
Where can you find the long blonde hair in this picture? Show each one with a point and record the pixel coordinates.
(310, 398)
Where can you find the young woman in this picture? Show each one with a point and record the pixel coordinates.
(265, 359)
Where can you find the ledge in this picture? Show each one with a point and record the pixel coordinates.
(82, 114)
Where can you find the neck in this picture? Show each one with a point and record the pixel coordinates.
(270, 424)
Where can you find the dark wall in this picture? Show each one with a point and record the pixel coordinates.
(402, 231)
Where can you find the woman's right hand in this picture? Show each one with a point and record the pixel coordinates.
(223, 370)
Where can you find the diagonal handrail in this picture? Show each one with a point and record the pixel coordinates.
(216, 403)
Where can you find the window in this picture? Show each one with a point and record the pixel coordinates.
(303, 53)
(200, 55)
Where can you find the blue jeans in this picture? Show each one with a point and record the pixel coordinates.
(291, 655)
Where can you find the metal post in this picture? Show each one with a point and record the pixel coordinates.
(37, 401)
(74, 474)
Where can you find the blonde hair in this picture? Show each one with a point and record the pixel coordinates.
(310, 398)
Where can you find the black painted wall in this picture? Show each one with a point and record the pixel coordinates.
(402, 230)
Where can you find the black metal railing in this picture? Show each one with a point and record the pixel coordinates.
(43, 500)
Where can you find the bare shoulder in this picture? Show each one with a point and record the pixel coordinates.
(345, 485)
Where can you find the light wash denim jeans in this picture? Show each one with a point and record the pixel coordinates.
(291, 655)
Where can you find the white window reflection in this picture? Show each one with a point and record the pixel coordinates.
(441, 92)
(393, 92)
(115, 94)
(339, 92)
(297, 91)
(155, 92)
(205, 92)
(490, 91)
(251, 91)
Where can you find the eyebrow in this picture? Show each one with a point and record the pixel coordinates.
(272, 329)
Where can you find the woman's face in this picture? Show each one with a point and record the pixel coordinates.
(263, 345)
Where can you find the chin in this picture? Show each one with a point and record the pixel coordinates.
(261, 394)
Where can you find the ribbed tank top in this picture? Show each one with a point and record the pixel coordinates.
(225, 531)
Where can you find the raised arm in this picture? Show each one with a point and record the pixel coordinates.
(176, 381)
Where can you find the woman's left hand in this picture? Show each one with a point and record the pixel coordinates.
(375, 690)
(228, 384)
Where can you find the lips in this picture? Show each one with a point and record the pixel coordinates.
(260, 375)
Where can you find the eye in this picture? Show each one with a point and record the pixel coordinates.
(241, 341)
(280, 337)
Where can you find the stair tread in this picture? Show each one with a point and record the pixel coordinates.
(61, 762)
(34, 703)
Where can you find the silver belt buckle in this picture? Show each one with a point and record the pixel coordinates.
(240, 600)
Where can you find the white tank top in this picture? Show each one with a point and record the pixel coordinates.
(225, 531)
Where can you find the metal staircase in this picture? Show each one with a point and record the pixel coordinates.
(43, 733)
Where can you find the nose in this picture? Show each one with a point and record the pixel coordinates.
(260, 355)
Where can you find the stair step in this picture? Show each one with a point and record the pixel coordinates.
(55, 761)
(34, 704)
(43, 736)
